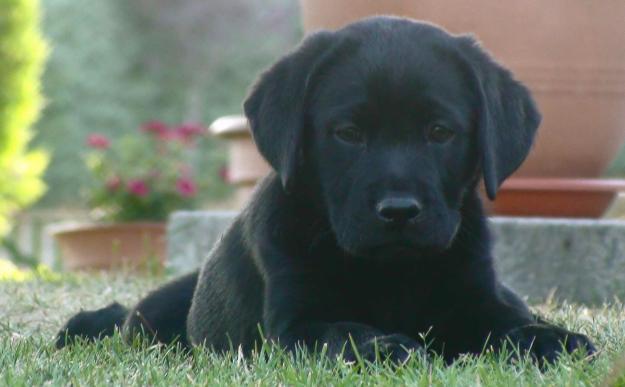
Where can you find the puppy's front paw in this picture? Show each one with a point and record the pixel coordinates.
(91, 325)
(395, 348)
(545, 343)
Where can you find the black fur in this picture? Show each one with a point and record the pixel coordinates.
(92, 325)
(162, 313)
(371, 226)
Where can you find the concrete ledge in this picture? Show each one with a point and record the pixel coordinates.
(191, 235)
(577, 260)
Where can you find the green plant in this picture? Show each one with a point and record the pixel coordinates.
(22, 55)
(143, 177)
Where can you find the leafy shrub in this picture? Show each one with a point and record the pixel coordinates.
(22, 55)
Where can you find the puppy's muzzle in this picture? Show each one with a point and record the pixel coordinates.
(398, 210)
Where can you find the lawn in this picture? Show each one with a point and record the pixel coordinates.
(31, 311)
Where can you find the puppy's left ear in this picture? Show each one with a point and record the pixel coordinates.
(276, 105)
(508, 116)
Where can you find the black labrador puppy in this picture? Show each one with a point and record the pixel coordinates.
(370, 233)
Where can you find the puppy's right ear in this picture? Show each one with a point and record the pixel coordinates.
(276, 105)
(508, 117)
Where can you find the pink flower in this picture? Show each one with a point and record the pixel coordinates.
(186, 187)
(113, 183)
(98, 141)
(188, 132)
(159, 130)
(138, 187)
(155, 127)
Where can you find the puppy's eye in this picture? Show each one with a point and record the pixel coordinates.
(350, 134)
(440, 134)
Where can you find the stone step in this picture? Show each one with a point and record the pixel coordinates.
(576, 260)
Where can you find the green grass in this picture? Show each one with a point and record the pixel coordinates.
(32, 311)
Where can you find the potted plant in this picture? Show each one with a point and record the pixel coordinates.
(136, 182)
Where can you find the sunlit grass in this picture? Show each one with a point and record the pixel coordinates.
(11, 272)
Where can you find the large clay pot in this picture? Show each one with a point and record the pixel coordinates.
(556, 197)
(571, 53)
(128, 246)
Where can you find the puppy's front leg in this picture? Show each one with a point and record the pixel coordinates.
(349, 339)
(506, 316)
(543, 340)
(294, 317)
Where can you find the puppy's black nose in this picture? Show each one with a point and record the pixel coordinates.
(398, 210)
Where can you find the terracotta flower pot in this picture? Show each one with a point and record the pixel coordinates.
(573, 198)
(132, 246)
(245, 165)
(571, 53)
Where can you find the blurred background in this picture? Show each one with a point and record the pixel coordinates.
(108, 67)
(116, 64)
(96, 97)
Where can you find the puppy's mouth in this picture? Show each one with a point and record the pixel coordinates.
(402, 245)
(398, 249)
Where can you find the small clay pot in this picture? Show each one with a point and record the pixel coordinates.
(127, 246)
(557, 197)
(245, 165)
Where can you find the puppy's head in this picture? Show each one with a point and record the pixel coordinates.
(397, 120)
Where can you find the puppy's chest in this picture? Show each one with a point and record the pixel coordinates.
(391, 298)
